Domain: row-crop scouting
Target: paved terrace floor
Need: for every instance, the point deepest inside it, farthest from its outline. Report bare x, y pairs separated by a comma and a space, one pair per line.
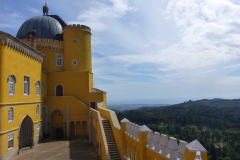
75, 149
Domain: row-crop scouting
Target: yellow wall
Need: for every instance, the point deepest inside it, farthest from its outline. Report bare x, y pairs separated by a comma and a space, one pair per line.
49, 48
19, 64
78, 110
75, 84
14, 62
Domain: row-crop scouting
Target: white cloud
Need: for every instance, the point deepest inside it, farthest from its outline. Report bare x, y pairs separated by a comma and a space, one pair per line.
100, 12
34, 10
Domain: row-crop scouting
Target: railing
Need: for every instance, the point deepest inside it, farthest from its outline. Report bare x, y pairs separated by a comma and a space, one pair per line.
97, 137
142, 144
136, 142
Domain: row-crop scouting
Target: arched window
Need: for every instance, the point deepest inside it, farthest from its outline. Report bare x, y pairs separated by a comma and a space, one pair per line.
10, 114
37, 110
26, 85
59, 90
11, 85
38, 88
58, 60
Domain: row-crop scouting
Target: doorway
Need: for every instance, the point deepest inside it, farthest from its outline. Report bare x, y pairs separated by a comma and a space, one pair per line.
26, 132
59, 134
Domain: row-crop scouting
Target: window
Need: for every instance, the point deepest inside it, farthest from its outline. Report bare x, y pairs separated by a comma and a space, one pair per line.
11, 84
59, 60
37, 129
10, 140
59, 114
10, 114
42, 89
74, 40
38, 88
37, 110
59, 90
26, 85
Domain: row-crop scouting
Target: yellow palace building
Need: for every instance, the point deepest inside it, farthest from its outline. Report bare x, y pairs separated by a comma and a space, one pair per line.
46, 90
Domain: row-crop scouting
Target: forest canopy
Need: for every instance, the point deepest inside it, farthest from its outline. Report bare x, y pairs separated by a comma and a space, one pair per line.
215, 123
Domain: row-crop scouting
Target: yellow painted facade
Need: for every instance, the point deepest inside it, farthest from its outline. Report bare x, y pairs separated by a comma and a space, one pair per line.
65, 86
47, 91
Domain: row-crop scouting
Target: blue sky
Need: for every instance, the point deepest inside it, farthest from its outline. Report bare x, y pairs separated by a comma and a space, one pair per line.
158, 51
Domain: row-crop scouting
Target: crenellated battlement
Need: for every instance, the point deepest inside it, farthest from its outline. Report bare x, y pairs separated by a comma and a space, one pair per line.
48, 41
46, 44
77, 27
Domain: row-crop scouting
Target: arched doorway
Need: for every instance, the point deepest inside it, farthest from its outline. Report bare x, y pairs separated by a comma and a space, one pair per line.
59, 134
57, 124
26, 132
59, 90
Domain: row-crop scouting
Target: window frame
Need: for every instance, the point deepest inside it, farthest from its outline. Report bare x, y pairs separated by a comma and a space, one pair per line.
57, 91
10, 141
37, 110
10, 115
59, 60
38, 84
26, 88
11, 85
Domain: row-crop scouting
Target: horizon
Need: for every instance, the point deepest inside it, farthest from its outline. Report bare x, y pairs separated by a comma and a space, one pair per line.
151, 52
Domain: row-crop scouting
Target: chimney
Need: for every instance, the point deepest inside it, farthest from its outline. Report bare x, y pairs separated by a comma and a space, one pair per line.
32, 35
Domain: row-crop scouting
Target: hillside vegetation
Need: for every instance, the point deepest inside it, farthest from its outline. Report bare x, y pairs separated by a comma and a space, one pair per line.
215, 123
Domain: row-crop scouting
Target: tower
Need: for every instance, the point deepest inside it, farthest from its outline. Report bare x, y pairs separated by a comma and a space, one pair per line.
77, 48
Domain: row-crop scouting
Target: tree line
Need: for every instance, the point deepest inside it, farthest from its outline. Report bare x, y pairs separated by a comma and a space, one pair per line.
216, 128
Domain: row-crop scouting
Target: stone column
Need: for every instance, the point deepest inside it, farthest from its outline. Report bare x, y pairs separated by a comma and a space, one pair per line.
81, 130
45, 119
50, 129
89, 124
67, 119
75, 129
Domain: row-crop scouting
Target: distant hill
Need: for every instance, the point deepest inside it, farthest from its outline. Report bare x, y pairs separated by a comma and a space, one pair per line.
216, 102
123, 107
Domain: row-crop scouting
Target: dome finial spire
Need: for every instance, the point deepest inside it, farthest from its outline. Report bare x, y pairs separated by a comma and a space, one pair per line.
45, 9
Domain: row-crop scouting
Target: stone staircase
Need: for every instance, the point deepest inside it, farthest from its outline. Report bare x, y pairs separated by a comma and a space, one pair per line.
112, 146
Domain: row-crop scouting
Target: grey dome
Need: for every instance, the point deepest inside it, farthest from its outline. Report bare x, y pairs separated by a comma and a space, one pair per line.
46, 27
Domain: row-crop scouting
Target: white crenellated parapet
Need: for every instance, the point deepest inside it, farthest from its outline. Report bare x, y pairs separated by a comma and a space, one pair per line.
136, 128
134, 132
173, 148
150, 139
198, 156
181, 149
164, 145
156, 141
132, 129
127, 127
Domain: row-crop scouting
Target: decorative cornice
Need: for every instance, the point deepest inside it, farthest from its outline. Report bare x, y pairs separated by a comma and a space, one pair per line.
19, 103
14, 43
